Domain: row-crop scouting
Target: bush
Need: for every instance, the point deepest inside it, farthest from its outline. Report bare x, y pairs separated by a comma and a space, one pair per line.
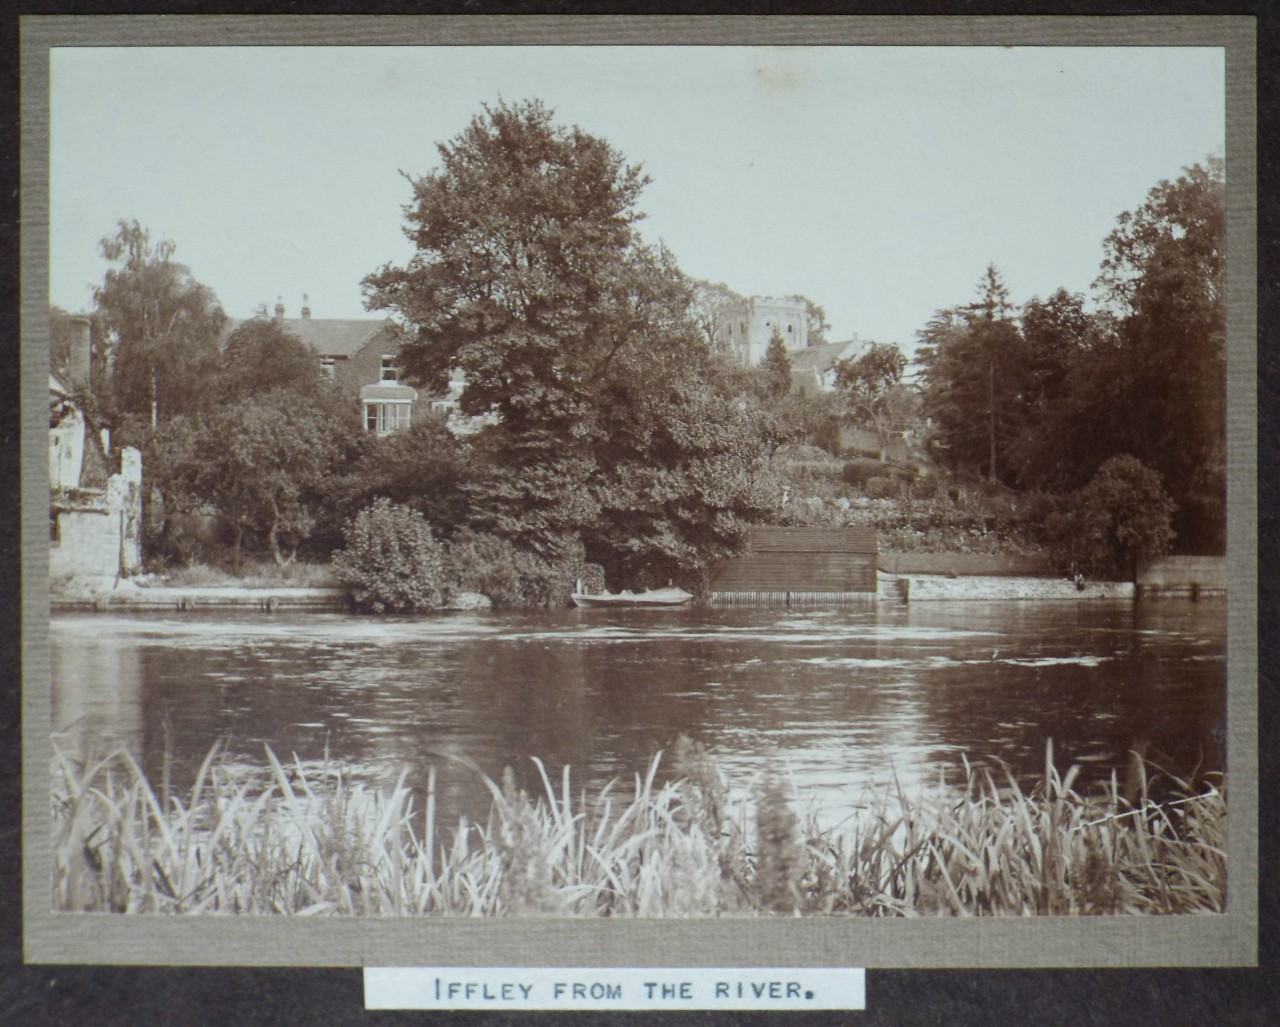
509, 576
860, 470
391, 562
1121, 520
881, 488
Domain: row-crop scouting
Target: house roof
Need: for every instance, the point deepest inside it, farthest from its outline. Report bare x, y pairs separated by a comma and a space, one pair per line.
331, 337
822, 358
388, 391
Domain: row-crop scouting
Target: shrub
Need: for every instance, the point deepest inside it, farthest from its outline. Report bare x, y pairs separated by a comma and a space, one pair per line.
881, 488
860, 470
508, 575
391, 562
1121, 520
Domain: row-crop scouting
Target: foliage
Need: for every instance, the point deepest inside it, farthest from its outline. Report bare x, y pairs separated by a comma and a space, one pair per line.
1163, 273
260, 356
261, 463
872, 384
510, 576
392, 561
716, 309
159, 325
1047, 401
530, 278
974, 364
424, 467
1119, 521
777, 366
308, 840
881, 488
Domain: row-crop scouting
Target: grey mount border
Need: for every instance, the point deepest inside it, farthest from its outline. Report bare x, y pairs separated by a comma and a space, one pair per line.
1226, 940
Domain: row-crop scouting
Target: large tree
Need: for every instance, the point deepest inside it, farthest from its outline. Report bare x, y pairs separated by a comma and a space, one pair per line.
530, 277
262, 463
974, 362
1163, 276
261, 355
160, 327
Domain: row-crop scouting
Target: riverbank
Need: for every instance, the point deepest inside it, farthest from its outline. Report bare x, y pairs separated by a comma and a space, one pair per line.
111, 594
306, 842
920, 588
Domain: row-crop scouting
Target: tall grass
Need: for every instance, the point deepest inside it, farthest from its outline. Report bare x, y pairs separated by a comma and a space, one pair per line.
307, 842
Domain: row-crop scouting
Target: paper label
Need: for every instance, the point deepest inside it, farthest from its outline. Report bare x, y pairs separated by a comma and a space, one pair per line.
614, 988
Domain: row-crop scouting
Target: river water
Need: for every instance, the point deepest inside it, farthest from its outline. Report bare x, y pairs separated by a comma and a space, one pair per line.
836, 701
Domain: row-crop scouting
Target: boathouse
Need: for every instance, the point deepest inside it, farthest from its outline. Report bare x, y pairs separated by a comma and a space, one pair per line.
799, 567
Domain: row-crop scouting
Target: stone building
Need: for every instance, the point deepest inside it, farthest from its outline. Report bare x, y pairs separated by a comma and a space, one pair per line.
743, 329
95, 503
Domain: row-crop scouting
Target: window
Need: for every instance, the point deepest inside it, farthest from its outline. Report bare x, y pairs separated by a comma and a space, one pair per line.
390, 373
386, 417
326, 369
55, 531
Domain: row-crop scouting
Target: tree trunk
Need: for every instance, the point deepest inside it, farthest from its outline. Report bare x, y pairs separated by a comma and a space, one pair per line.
154, 404
991, 419
235, 547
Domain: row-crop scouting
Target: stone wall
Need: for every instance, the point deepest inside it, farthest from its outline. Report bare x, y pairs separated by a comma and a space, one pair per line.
1171, 572
931, 588
98, 534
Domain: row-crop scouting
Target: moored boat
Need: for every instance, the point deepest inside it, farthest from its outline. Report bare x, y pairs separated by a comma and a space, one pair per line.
650, 597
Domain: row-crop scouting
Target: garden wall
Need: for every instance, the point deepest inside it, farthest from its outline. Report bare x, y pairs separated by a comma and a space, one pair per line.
988, 564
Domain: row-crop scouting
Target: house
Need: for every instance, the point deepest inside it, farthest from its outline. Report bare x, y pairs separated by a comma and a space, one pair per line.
95, 511
361, 356
799, 567
813, 369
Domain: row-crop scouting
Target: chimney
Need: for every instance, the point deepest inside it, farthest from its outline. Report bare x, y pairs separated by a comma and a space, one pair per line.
306, 307
279, 308
78, 358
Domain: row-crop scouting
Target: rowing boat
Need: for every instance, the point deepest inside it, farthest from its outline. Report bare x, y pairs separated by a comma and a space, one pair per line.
651, 597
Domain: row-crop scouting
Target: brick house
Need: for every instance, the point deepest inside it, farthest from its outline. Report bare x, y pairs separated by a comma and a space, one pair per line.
361, 357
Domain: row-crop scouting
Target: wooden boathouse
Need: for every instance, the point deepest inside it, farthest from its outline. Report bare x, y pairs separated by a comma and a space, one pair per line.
799, 567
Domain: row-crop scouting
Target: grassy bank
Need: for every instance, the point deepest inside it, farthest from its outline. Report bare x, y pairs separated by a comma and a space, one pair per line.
315, 842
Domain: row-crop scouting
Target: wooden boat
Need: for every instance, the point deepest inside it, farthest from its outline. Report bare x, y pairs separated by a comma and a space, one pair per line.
650, 597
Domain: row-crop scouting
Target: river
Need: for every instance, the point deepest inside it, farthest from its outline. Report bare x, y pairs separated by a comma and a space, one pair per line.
836, 701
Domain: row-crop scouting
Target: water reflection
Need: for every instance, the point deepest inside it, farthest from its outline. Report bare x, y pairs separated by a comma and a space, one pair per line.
838, 700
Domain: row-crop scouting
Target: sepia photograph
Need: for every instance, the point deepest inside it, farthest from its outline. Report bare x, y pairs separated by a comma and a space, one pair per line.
768, 483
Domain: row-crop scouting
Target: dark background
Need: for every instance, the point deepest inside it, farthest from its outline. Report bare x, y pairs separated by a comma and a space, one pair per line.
90, 995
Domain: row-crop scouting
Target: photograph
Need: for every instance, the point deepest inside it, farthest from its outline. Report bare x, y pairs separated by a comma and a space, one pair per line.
774, 486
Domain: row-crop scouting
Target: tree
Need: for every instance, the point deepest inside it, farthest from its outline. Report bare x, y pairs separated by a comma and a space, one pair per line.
872, 384
261, 463
530, 277
260, 356
1163, 276
160, 327
1118, 522
974, 368
1063, 409
716, 309
777, 366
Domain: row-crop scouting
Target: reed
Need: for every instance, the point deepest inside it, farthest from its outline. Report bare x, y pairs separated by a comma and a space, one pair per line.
300, 841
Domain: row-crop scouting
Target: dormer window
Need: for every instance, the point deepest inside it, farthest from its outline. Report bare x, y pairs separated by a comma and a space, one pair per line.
390, 373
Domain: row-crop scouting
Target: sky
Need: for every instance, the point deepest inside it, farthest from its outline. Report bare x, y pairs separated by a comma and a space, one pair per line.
877, 181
